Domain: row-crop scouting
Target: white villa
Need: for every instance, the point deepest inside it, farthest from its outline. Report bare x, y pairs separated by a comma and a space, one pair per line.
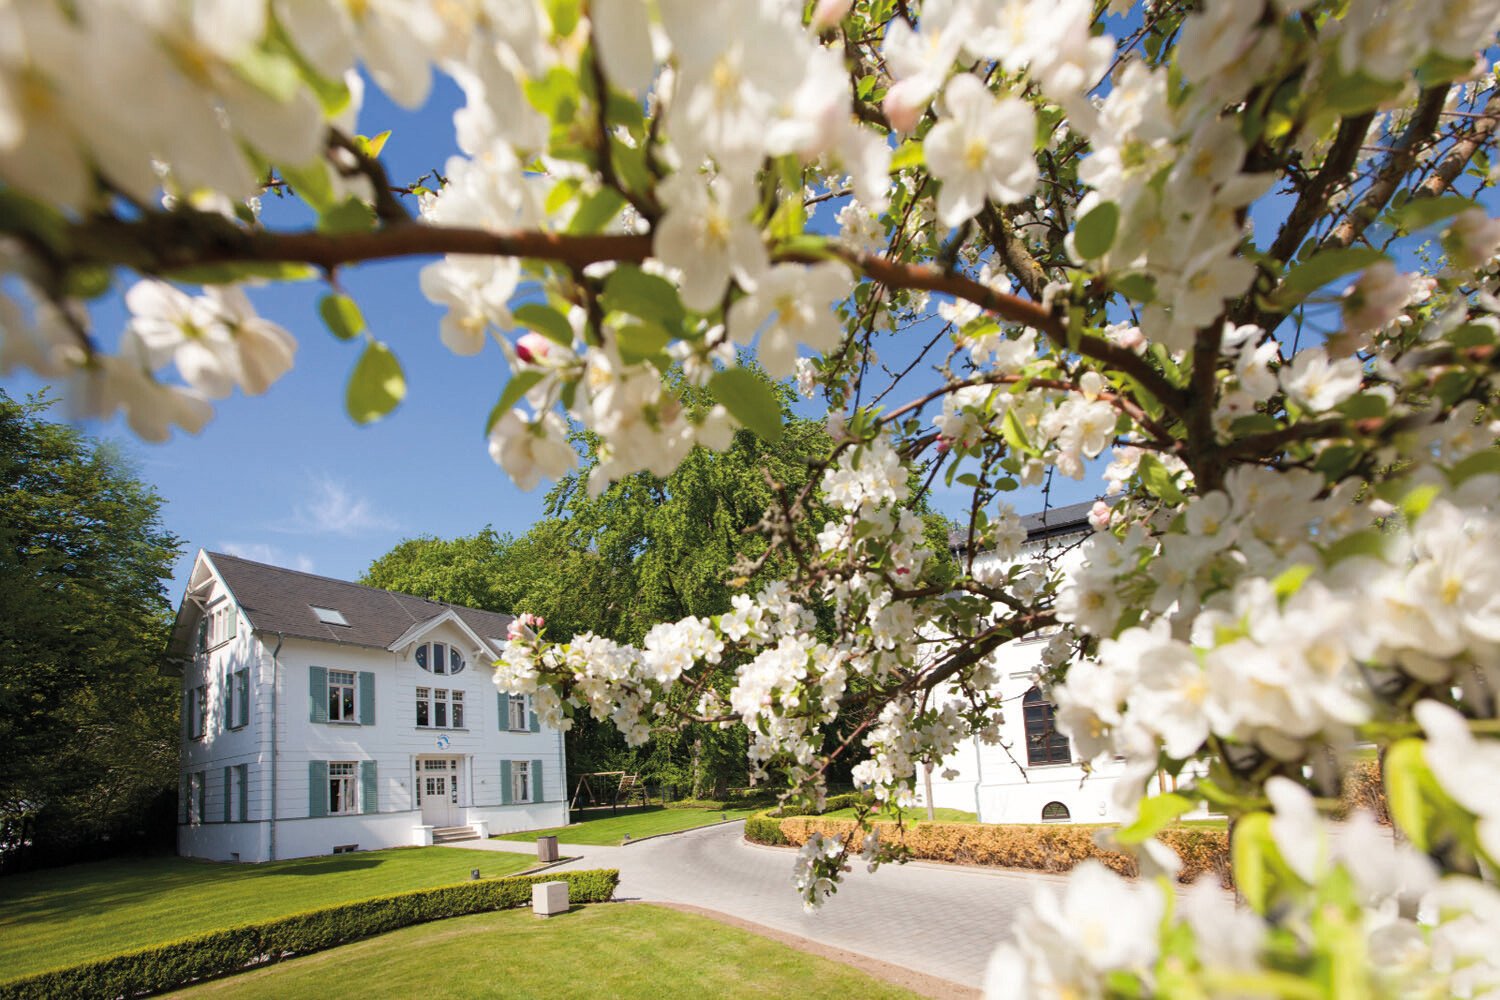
1032, 777
321, 716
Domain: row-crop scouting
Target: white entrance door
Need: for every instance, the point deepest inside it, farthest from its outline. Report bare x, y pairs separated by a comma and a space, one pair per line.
437, 789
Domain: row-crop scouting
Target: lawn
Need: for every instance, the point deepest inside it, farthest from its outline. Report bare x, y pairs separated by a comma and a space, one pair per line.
638, 823
68, 915
917, 814
605, 950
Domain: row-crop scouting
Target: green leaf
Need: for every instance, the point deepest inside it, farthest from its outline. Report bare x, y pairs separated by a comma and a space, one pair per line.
1153, 816
750, 400
1158, 481
1321, 268
562, 192
564, 15
1014, 433
20, 214
332, 93
640, 341
273, 73
1250, 854
349, 216
628, 289
908, 154
790, 218
596, 211
376, 386
547, 321
1419, 213
1095, 232
554, 95
1369, 543
1352, 95
342, 315
1406, 775
1137, 287
224, 274
1290, 580
372, 146
311, 183
88, 281
1415, 503
1480, 463
517, 387
1363, 406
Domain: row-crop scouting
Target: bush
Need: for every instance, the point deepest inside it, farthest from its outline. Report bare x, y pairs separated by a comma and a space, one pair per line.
1364, 789
765, 827
235, 949
1044, 847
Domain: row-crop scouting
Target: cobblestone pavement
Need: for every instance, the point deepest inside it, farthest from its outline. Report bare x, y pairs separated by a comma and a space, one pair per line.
940, 920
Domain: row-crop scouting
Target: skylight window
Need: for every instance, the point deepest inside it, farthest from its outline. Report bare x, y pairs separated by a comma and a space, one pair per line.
328, 616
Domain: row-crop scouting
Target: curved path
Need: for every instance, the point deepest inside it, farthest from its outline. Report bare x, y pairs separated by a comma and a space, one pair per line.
939, 920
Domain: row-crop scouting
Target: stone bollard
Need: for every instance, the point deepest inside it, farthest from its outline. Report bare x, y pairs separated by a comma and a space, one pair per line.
546, 849
549, 898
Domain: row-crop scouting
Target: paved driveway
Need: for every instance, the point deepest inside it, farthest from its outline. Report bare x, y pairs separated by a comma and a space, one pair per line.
939, 920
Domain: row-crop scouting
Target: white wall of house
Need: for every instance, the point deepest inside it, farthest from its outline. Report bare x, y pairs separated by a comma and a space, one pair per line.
392, 741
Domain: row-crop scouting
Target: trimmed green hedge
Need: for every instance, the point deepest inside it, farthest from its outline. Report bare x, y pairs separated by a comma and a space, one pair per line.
765, 827
235, 949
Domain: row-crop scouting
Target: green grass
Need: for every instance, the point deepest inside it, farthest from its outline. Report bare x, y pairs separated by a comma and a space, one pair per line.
612, 950
68, 915
915, 815
639, 822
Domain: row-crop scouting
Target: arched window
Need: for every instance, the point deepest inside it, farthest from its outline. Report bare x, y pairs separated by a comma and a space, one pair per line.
439, 658
1044, 744
1055, 812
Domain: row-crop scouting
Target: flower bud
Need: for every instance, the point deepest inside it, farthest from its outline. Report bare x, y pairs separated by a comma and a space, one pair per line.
532, 348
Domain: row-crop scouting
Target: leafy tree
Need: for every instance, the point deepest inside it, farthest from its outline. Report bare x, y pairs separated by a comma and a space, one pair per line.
88, 724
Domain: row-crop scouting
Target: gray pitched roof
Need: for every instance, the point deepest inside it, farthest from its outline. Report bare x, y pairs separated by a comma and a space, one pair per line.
282, 600
1044, 523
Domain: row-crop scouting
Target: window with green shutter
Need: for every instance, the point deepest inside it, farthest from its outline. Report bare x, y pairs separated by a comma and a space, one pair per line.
228, 789
505, 797
536, 782
366, 698
226, 721
369, 788
243, 772
317, 692
536, 725
242, 697
317, 788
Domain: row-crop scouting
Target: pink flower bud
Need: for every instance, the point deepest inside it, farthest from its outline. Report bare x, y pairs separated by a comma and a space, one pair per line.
943, 444
532, 348
828, 13
1099, 515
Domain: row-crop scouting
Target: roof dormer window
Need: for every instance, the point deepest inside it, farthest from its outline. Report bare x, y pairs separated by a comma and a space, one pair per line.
329, 616
439, 658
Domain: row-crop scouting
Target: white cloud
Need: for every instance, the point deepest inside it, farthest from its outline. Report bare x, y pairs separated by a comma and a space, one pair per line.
332, 509
271, 555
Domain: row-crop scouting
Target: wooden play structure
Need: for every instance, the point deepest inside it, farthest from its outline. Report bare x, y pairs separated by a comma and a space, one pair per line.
608, 790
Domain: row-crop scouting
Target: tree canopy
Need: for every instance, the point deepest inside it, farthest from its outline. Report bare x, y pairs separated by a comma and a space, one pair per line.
88, 725
1241, 250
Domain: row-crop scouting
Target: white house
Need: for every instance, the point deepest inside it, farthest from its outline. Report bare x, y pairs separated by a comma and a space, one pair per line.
1032, 776
321, 716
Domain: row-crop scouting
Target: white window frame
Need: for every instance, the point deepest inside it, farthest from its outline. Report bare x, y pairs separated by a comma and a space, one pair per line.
520, 781
452, 701
239, 698
524, 701
240, 778
336, 685
199, 707
343, 787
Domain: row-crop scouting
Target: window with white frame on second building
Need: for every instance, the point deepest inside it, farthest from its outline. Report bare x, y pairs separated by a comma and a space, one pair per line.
520, 781
516, 713
341, 696
198, 706
343, 787
440, 708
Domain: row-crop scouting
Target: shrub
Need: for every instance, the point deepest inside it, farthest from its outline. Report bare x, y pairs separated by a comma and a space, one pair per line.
765, 827
1364, 789
1044, 847
235, 949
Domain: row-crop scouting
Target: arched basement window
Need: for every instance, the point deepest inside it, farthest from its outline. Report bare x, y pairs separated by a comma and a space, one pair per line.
1044, 744
1055, 812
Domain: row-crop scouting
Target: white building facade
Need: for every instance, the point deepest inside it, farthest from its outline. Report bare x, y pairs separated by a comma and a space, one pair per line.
321, 716
1032, 776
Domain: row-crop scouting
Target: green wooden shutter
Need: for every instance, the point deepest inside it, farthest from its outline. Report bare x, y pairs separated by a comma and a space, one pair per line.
505, 799
228, 784
366, 698
242, 686
369, 790
500, 704
536, 725
317, 690
536, 782
244, 770
317, 788
203, 796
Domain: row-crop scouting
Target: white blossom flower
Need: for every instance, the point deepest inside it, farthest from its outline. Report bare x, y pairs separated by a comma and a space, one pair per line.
981, 148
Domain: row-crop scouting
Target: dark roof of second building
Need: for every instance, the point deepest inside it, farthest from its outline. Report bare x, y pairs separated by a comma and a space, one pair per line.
281, 600
1042, 524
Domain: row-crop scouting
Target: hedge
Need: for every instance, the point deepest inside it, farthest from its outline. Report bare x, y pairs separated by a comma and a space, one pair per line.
765, 827
236, 949
1050, 847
